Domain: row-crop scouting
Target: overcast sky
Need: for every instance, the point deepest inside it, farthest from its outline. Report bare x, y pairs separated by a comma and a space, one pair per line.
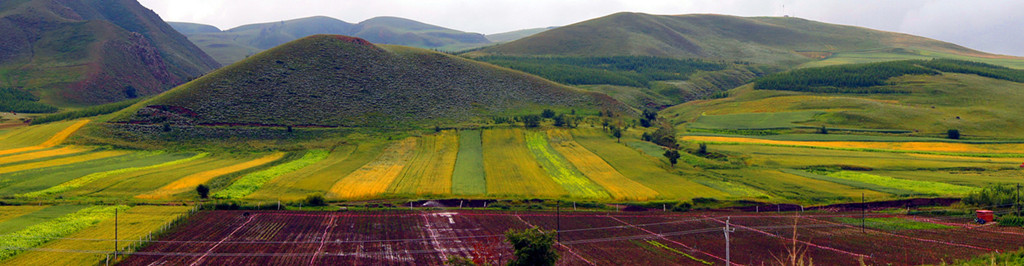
995, 26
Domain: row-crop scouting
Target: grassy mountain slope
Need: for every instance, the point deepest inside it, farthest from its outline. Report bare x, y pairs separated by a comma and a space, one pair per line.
333, 80
87, 52
774, 40
515, 35
235, 44
977, 100
192, 28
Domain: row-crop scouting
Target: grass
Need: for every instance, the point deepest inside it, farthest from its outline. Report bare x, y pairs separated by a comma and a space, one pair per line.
923, 187
511, 169
374, 178
803, 157
251, 182
853, 183
29, 156
191, 181
597, 169
319, 176
11, 212
135, 164
62, 161
38, 137
132, 224
892, 223
688, 256
794, 188
469, 177
431, 168
40, 215
641, 168
130, 184
560, 170
939, 148
755, 120
39, 233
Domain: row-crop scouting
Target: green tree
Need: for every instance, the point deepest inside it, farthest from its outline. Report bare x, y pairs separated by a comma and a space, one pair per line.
617, 133
702, 148
315, 199
547, 113
203, 191
532, 247
673, 156
531, 121
953, 134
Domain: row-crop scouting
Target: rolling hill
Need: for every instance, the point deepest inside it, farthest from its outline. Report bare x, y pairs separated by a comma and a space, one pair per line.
773, 40
71, 53
235, 44
334, 80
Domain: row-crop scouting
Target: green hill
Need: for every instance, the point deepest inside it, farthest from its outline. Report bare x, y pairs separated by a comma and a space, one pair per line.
515, 35
72, 53
235, 44
192, 28
333, 80
913, 98
772, 40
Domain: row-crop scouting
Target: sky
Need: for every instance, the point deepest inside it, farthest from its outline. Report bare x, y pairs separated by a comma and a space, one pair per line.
995, 26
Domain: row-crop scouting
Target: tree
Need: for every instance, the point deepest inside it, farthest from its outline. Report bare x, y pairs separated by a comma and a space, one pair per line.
953, 134
547, 113
665, 136
203, 190
532, 247
559, 120
617, 133
459, 261
531, 121
315, 199
823, 130
650, 115
645, 123
702, 148
673, 157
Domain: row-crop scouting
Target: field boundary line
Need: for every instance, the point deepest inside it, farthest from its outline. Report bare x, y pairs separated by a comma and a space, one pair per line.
666, 239
801, 241
323, 239
910, 237
208, 251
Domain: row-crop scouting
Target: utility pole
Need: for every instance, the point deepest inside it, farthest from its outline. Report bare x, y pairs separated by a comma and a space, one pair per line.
728, 229
115, 234
1017, 202
558, 220
863, 212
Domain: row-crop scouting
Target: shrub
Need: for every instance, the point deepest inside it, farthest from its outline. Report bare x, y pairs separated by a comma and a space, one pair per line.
203, 191
532, 247
1010, 220
315, 199
953, 134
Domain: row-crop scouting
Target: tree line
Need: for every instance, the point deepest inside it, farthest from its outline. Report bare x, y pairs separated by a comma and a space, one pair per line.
873, 77
634, 71
15, 100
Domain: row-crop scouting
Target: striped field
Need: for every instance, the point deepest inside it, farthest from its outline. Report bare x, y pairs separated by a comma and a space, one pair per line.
430, 171
511, 169
374, 178
191, 181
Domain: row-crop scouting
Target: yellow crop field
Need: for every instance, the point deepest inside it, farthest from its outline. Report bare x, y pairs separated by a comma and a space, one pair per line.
511, 169
41, 154
10, 212
898, 146
191, 181
431, 168
61, 161
374, 178
132, 224
598, 170
30, 135
129, 184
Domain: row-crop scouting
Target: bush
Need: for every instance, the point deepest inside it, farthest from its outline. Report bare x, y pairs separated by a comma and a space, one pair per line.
992, 196
203, 191
953, 134
315, 199
1010, 220
547, 113
531, 121
532, 247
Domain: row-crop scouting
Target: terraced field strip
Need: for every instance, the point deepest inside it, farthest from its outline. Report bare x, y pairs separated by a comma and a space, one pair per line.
511, 169
132, 224
251, 182
924, 187
62, 161
563, 172
469, 177
593, 166
32, 134
317, 178
374, 178
155, 161
40, 215
11, 212
39, 233
852, 183
938, 147
798, 187
431, 168
35, 155
641, 168
134, 183
191, 181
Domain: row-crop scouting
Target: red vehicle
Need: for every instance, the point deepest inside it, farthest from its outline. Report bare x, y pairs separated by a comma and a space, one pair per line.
985, 216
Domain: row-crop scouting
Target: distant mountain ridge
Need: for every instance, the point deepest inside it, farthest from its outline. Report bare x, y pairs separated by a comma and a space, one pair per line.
235, 44
334, 80
774, 40
93, 51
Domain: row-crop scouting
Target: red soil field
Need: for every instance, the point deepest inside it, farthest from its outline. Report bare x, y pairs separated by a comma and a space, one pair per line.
430, 237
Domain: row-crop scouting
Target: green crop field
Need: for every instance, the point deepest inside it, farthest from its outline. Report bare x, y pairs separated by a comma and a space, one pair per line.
469, 177
319, 177
40, 232
511, 169
560, 170
431, 168
41, 215
892, 223
250, 183
45, 178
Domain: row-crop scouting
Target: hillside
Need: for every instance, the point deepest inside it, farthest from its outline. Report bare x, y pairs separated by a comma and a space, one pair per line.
915, 98
235, 44
333, 80
72, 53
515, 35
773, 40
192, 28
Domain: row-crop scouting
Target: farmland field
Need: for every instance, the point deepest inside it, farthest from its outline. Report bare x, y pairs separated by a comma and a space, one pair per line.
618, 185
511, 169
431, 168
191, 181
648, 238
319, 176
469, 177
560, 170
374, 177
